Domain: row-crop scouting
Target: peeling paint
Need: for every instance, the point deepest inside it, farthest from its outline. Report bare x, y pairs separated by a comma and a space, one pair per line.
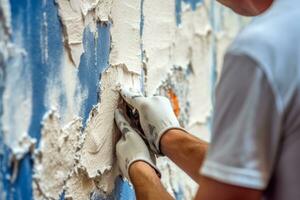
169, 47
97, 154
158, 36
55, 158
73, 25
125, 35
65, 152
18, 79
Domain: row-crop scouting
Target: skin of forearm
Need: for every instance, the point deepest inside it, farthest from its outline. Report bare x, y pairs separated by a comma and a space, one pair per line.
185, 150
146, 183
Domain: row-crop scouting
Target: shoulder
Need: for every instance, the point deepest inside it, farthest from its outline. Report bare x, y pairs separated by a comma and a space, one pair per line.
273, 42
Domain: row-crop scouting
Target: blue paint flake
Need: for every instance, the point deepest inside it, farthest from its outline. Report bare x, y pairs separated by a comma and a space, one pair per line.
31, 16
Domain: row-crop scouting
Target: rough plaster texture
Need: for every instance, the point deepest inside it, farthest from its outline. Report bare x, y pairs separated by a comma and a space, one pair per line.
158, 36
149, 50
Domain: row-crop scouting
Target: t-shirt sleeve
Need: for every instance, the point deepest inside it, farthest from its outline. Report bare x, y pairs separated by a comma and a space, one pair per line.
246, 126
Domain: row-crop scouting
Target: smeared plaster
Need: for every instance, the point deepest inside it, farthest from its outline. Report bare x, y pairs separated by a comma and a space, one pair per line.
200, 95
71, 158
97, 154
79, 186
158, 36
81, 162
77, 15
125, 35
101, 9
93, 162
193, 24
55, 158
73, 26
191, 50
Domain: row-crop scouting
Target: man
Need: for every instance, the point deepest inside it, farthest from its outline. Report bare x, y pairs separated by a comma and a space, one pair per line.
254, 151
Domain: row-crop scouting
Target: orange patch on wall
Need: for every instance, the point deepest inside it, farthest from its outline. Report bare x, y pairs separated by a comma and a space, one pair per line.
174, 102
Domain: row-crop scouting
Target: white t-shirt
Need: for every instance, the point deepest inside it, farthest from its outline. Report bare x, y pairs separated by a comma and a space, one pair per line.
256, 126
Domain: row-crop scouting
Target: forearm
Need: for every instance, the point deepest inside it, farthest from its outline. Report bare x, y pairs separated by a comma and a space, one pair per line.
146, 183
186, 150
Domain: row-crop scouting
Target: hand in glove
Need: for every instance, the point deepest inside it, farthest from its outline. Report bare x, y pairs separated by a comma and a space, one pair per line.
155, 114
131, 147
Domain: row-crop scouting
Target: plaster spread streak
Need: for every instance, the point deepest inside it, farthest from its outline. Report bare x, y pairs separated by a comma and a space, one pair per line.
77, 158
73, 25
55, 159
97, 154
125, 35
158, 36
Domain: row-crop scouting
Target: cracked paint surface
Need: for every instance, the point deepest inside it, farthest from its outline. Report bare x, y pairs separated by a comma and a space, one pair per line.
61, 62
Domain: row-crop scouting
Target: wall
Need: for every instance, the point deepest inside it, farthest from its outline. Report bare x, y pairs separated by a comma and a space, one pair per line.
61, 63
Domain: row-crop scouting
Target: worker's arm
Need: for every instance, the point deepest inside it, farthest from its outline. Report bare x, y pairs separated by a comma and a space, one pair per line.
165, 137
147, 184
133, 156
211, 189
190, 156
185, 150
164, 134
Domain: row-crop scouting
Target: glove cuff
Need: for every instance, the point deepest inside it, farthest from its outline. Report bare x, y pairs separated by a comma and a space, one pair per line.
149, 162
157, 149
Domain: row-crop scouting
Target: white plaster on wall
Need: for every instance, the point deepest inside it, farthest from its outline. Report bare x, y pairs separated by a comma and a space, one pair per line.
157, 39
4, 55
73, 26
125, 35
191, 48
17, 99
95, 168
74, 159
55, 159
82, 161
98, 149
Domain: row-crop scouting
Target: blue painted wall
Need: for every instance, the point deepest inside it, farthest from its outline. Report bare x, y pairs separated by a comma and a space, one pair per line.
38, 24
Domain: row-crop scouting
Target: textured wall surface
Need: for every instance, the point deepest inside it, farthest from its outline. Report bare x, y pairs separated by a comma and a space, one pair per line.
61, 62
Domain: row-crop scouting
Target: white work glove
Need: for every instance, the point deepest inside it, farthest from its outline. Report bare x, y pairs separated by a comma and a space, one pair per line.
156, 116
131, 147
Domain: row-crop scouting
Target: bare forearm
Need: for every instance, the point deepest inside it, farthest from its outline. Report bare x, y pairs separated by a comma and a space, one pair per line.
146, 183
186, 150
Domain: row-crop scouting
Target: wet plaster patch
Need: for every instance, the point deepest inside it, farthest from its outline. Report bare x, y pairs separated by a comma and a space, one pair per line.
82, 162
76, 16
55, 158
158, 36
73, 26
125, 35
97, 154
